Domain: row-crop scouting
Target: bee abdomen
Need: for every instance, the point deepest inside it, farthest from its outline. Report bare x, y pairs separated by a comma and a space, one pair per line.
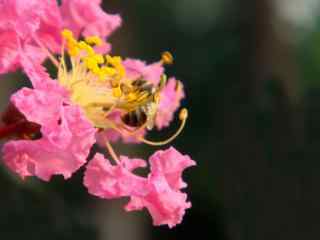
135, 118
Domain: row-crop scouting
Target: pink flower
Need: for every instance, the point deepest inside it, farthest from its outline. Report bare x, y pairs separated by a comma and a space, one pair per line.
170, 98
136, 69
53, 125
66, 135
88, 18
159, 192
22, 24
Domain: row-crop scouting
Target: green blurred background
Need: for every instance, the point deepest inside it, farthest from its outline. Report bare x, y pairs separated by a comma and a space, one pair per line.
251, 73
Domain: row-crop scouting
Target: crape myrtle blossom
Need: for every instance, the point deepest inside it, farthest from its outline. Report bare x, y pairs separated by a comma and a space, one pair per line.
93, 98
66, 135
159, 192
37, 24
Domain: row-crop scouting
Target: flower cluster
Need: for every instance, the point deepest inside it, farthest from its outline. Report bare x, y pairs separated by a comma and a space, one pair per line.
95, 98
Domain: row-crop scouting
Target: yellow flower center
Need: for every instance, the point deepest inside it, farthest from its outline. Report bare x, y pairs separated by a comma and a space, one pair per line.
98, 84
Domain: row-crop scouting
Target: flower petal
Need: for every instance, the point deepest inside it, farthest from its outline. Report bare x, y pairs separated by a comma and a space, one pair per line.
136, 69
88, 18
107, 181
170, 98
62, 149
159, 192
23, 22
165, 205
170, 163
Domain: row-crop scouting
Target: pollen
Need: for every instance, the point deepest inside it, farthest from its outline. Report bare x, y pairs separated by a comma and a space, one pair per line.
167, 58
94, 40
117, 92
103, 67
183, 115
98, 84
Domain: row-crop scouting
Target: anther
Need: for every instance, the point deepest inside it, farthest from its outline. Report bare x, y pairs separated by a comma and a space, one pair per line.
67, 34
183, 115
116, 92
94, 40
167, 58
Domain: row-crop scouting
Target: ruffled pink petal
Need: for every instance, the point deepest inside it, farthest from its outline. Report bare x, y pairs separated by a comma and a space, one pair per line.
20, 16
114, 136
62, 149
41, 105
9, 59
159, 192
169, 103
170, 163
104, 48
21, 22
136, 69
88, 18
166, 205
66, 135
39, 77
113, 181
165, 202
107, 135
49, 32
38, 106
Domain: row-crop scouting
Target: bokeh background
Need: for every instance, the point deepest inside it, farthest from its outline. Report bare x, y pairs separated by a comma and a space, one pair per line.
251, 73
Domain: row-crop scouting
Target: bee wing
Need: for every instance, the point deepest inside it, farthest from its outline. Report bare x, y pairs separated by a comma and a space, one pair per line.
151, 110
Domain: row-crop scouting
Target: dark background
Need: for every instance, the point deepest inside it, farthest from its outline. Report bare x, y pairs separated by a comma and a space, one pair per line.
251, 73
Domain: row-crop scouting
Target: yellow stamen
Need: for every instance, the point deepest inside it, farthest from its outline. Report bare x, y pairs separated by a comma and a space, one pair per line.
98, 84
183, 115
117, 92
112, 153
67, 34
99, 58
167, 58
109, 71
94, 40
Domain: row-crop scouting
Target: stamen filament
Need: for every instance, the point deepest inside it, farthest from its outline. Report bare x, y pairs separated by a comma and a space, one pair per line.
183, 115
46, 50
112, 153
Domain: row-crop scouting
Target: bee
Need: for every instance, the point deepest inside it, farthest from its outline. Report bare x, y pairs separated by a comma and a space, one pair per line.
146, 100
